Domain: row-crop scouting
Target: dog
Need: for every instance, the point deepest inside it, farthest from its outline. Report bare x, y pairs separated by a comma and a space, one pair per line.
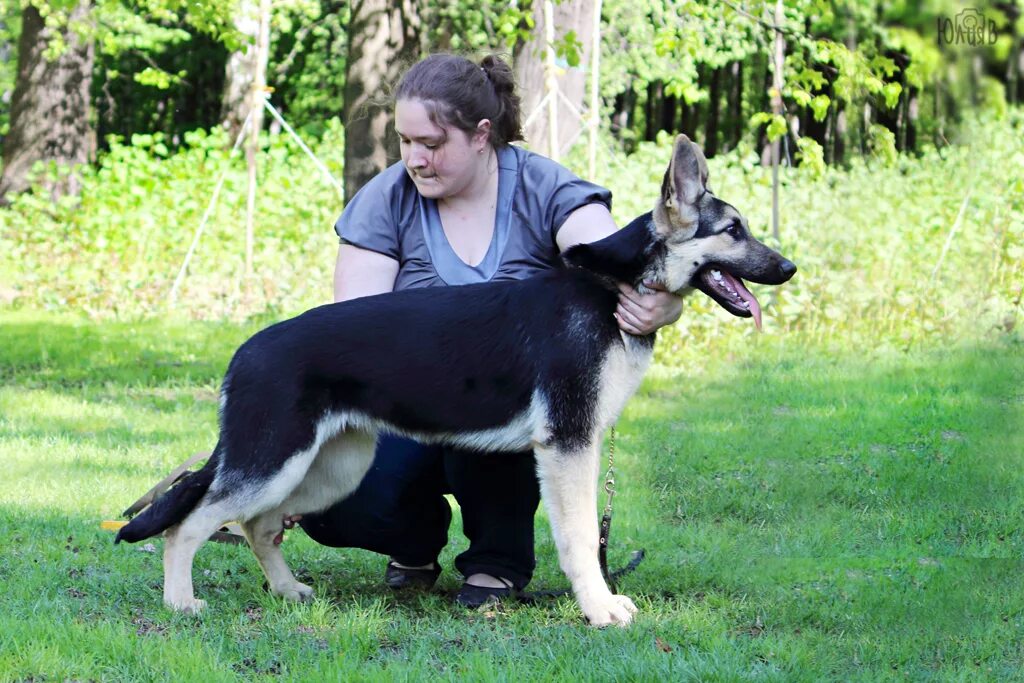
505, 366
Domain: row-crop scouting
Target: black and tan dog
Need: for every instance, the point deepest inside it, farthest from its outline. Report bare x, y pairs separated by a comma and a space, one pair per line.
536, 363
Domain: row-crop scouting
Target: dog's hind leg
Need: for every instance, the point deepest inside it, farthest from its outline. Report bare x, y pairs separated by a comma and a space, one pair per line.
568, 481
263, 533
180, 546
337, 470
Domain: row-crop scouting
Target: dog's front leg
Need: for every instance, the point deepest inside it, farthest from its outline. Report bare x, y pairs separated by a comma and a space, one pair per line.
568, 481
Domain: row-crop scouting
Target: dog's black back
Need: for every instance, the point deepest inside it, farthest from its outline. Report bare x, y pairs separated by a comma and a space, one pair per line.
392, 356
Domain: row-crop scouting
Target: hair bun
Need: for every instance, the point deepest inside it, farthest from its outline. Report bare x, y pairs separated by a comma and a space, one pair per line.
461, 93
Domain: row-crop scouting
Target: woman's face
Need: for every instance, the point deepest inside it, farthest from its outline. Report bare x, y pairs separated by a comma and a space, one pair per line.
442, 161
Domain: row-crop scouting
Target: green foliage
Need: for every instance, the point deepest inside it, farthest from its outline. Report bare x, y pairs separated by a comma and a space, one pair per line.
664, 40
882, 144
811, 157
160, 64
10, 29
867, 240
308, 59
568, 47
117, 252
515, 24
776, 127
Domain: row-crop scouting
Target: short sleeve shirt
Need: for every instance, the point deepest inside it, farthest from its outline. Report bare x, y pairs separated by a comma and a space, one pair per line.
535, 196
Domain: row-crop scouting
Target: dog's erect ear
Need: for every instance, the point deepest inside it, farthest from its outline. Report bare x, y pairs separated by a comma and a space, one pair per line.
686, 180
687, 176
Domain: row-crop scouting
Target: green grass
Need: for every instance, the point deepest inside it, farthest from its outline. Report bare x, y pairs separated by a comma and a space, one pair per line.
808, 513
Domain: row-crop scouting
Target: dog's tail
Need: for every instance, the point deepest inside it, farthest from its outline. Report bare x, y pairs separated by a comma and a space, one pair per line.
173, 506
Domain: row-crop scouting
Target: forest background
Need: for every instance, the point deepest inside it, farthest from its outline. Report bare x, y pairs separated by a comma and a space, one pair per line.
144, 101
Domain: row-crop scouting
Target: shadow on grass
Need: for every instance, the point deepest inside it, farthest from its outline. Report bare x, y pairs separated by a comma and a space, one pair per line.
58, 353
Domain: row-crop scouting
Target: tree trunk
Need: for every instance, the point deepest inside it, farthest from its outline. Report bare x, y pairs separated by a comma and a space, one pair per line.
1013, 63
650, 118
688, 120
912, 109
670, 114
240, 70
714, 100
383, 40
50, 105
842, 131
569, 15
622, 119
736, 109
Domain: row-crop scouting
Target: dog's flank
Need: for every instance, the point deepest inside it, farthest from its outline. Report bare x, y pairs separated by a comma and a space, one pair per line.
536, 363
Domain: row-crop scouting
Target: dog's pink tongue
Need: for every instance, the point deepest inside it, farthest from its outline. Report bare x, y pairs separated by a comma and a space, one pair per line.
755, 308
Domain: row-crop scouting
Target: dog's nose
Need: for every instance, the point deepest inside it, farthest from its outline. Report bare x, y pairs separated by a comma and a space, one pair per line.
786, 269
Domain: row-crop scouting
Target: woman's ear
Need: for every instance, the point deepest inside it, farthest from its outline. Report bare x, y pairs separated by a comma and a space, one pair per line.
483, 133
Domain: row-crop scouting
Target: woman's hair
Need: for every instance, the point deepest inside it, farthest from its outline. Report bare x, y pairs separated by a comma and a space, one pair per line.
456, 92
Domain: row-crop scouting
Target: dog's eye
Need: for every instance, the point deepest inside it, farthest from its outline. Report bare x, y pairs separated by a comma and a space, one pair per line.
735, 230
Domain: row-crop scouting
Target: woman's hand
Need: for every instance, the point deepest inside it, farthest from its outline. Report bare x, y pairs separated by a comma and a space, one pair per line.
642, 314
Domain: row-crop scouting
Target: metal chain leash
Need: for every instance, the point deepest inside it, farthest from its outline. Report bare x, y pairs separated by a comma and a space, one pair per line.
606, 527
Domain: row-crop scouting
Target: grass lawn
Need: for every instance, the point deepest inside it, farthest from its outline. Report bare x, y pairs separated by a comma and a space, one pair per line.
809, 513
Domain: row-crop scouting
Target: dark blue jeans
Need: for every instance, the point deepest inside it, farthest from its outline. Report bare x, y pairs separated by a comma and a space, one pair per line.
399, 509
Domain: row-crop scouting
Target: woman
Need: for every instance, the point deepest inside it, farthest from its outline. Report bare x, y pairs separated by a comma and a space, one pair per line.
462, 206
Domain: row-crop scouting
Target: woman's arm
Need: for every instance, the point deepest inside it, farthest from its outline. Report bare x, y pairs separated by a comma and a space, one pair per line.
361, 272
637, 313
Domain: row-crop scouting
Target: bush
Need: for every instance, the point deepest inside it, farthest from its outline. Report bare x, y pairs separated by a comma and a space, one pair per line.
870, 241
117, 251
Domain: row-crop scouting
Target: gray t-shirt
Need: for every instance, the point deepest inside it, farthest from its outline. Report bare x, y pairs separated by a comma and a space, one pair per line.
535, 196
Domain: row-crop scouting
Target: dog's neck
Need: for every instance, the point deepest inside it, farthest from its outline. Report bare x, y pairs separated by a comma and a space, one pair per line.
629, 255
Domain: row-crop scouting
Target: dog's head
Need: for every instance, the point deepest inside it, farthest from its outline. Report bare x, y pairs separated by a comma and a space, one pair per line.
707, 242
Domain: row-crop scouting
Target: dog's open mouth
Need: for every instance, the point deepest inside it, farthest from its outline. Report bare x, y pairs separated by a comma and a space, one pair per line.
730, 292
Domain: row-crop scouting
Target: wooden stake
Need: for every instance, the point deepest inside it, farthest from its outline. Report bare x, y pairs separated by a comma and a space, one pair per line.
780, 52
551, 80
259, 84
595, 94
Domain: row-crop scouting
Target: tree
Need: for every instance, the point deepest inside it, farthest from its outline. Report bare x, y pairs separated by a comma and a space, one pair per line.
242, 67
51, 111
383, 40
50, 105
572, 29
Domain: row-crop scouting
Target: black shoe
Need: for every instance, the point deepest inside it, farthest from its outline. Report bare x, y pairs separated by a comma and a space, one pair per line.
474, 596
401, 578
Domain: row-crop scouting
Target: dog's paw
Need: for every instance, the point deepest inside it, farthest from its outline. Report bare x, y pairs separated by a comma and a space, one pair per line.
615, 610
294, 591
187, 605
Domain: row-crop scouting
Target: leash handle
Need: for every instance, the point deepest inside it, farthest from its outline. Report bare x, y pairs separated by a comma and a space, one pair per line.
606, 519
602, 551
